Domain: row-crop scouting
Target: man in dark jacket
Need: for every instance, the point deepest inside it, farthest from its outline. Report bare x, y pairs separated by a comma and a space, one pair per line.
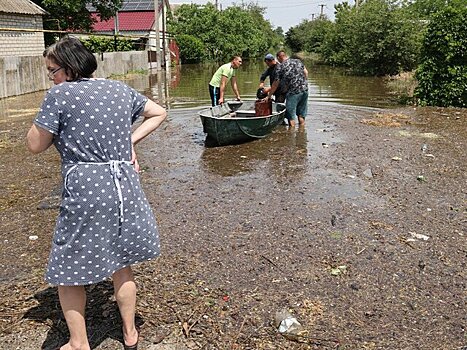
279, 94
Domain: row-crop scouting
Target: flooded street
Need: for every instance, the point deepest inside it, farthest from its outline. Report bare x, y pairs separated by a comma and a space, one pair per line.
356, 224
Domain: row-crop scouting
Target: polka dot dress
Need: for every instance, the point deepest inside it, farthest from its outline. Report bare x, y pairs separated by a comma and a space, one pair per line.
105, 221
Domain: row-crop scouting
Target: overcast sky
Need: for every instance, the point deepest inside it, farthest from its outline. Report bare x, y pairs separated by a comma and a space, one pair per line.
283, 13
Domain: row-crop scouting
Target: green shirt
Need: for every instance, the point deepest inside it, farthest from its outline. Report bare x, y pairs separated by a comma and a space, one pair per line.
226, 70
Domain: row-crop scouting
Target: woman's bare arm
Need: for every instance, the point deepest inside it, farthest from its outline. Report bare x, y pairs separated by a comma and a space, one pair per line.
38, 139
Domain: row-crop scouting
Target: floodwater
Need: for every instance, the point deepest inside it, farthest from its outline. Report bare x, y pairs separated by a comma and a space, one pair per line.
185, 87
183, 91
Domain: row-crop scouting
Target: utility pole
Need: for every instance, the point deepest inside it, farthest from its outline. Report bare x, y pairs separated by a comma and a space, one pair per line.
217, 5
116, 25
322, 7
158, 39
164, 53
116, 29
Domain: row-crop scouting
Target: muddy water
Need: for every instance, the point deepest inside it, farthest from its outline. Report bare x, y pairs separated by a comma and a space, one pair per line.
286, 155
187, 86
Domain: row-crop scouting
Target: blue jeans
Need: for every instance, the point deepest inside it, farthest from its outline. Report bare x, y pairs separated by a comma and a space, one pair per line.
296, 105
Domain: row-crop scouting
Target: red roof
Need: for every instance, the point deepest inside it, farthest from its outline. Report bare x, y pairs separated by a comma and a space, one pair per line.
127, 21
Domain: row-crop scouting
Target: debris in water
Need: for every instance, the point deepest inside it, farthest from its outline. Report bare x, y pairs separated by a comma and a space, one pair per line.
419, 236
287, 325
336, 271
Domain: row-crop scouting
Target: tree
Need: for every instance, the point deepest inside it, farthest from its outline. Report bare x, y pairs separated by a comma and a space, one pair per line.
238, 30
308, 35
424, 9
192, 49
295, 37
442, 74
377, 38
73, 14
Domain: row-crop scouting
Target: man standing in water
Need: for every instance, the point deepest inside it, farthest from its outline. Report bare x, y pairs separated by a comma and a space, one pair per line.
220, 79
293, 74
270, 72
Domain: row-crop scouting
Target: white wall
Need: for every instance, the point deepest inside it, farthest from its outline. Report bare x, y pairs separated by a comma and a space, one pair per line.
15, 43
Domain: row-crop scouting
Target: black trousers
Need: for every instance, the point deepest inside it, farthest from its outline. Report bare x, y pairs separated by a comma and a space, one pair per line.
214, 92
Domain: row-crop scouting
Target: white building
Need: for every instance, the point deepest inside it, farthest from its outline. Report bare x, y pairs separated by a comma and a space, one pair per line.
20, 21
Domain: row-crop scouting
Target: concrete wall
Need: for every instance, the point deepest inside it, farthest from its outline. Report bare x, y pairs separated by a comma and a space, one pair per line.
13, 43
22, 75
109, 63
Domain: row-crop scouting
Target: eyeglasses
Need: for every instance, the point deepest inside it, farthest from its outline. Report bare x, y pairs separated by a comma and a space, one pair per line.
51, 73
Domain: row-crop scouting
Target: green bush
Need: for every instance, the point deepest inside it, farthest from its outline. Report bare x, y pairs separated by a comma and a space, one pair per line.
442, 73
106, 44
376, 38
192, 49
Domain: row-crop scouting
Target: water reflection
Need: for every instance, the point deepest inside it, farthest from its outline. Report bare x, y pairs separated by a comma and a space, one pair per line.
283, 155
187, 86
332, 85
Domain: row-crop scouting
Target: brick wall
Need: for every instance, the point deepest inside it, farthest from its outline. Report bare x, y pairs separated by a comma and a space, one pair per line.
14, 43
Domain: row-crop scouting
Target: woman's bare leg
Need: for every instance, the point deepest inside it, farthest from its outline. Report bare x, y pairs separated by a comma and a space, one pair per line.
73, 302
125, 293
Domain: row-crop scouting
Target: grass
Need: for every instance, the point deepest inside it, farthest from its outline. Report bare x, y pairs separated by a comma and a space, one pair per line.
128, 74
402, 87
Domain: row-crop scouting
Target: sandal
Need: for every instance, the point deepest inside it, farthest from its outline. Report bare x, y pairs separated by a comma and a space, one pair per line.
131, 347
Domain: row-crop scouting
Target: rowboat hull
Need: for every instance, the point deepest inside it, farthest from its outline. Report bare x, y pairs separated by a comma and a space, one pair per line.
240, 124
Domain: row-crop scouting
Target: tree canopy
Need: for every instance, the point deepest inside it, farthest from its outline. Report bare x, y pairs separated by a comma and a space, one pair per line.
73, 14
376, 38
203, 32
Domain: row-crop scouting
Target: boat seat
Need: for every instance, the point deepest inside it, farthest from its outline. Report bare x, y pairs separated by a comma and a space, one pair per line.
245, 113
221, 111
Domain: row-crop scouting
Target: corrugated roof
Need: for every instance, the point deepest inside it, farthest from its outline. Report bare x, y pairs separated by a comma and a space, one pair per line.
21, 6
127, 21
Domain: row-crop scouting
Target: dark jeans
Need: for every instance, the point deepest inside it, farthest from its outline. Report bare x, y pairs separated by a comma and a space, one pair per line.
214, 92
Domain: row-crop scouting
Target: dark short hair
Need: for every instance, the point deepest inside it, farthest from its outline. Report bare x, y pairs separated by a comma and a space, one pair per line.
280, 52
70, 54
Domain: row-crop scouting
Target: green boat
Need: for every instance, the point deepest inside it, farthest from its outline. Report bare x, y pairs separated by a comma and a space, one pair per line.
236, 122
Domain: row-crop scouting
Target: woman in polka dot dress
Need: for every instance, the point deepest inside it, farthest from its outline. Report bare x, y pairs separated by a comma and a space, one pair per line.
105, 223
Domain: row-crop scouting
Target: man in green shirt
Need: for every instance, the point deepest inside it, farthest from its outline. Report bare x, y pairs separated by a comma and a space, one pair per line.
220, 79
